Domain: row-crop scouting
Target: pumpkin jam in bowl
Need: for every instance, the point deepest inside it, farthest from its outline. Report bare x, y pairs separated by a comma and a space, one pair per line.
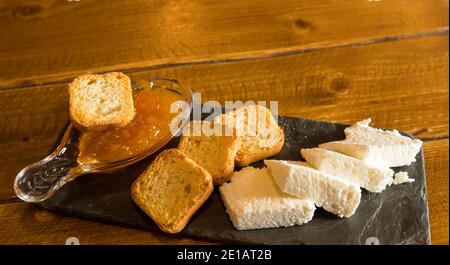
150, 125
145, 134
162, 108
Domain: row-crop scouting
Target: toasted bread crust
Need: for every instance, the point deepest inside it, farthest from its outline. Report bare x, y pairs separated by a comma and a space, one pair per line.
79, 115
251, 149
246, 157
223, 169
230, 163
139, 186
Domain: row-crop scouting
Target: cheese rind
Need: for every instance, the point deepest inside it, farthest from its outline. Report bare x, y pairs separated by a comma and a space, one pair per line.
253, 201
371, 178
377, 147
301, 180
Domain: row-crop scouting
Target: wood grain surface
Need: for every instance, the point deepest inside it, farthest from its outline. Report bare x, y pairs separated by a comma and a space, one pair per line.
52, 40
29, 224
337, 61
436, 166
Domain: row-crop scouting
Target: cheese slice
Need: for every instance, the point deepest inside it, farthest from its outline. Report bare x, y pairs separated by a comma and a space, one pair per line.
301, 180
253, 201
376, 146
371, 178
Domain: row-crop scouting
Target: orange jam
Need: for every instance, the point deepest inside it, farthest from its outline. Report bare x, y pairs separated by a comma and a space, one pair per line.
149, 125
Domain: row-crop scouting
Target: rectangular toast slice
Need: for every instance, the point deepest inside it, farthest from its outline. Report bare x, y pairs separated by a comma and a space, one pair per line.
261, 135
171, 190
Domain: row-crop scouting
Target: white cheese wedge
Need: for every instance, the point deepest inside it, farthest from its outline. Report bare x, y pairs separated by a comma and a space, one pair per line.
376, 146
301, 180
253, 201
371, 178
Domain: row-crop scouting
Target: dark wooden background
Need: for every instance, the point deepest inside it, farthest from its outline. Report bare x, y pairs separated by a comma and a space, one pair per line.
331, 60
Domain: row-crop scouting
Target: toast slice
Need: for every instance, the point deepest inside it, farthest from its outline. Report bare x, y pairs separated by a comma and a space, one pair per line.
261, 135
253, 201
329, 192
373, 179
99, 102
215, 153
171, 190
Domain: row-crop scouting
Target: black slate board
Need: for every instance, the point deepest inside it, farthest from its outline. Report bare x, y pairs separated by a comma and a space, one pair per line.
399, 215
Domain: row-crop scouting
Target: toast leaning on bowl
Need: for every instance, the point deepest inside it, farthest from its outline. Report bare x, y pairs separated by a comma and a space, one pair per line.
99, 102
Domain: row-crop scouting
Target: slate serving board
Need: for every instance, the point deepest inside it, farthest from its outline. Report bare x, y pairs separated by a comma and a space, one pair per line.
399, 215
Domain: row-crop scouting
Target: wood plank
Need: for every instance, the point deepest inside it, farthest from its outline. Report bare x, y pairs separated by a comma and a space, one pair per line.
407, 91
30, 123
28, 224
436, 165
54, 40
24, 223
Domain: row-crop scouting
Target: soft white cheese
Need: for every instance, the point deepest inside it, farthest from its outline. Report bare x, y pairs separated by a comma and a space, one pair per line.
301, 180
253, 201
374, 179
377, 147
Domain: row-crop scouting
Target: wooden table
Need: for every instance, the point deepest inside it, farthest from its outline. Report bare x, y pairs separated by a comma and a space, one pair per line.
335, 60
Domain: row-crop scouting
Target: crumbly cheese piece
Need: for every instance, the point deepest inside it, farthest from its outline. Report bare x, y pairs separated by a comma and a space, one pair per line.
377, 147
301, 180
371, 178
253, 201
401, 177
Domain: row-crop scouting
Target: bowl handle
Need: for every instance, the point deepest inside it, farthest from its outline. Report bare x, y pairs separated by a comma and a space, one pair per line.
41, 180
